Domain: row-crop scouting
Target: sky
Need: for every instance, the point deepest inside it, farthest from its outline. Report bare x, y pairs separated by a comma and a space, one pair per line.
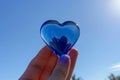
98, 45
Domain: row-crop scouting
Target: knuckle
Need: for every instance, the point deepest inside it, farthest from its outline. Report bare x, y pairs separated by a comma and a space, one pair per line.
49, 69
36, 65
60, 72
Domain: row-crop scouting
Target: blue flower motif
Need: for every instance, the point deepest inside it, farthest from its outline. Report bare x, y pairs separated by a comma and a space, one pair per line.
60, 46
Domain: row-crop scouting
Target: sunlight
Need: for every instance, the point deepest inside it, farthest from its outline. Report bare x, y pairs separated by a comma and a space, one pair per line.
114, 7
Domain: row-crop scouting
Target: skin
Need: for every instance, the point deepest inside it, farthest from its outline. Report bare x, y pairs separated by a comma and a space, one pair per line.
47, 66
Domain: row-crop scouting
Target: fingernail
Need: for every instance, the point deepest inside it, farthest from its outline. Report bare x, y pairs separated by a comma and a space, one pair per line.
64, 59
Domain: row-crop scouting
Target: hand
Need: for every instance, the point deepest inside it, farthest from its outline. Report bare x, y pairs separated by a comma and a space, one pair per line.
47, 66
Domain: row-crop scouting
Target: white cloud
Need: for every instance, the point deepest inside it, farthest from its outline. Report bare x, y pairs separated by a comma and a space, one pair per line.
115, 67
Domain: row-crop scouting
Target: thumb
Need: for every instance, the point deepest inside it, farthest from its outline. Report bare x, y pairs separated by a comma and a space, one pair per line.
62, 68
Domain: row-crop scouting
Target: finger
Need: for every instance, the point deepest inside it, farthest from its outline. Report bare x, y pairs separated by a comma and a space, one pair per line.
49, 67
37, 65
61, 70
73, 55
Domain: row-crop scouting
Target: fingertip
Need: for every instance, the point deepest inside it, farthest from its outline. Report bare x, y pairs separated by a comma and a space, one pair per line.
45, 48
62, 68
64, 59
45, 51
73, 52
73, 55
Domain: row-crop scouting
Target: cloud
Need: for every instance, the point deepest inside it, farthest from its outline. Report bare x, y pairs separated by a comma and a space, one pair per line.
115, 67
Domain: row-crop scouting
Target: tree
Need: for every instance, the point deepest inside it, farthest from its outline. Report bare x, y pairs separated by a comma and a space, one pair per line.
74, 78
113, 77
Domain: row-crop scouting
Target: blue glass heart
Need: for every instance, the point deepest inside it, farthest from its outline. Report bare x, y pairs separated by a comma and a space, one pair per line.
60, 38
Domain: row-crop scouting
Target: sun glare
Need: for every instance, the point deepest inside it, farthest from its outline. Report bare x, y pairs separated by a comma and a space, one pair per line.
114, 7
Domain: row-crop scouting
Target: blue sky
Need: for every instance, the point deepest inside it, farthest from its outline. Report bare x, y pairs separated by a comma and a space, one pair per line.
98, 45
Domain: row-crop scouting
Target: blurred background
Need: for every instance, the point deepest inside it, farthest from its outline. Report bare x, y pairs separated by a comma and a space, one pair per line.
98, 45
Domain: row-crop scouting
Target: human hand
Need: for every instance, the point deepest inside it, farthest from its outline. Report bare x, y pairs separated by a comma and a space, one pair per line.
47, 66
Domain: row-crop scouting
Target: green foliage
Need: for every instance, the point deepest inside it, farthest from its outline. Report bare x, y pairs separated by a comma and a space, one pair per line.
113, 77
74, 78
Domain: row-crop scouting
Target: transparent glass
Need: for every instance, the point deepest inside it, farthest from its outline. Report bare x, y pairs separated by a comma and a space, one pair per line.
60, 38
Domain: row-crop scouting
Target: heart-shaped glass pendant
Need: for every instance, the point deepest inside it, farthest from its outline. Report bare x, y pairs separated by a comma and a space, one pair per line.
60, 38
